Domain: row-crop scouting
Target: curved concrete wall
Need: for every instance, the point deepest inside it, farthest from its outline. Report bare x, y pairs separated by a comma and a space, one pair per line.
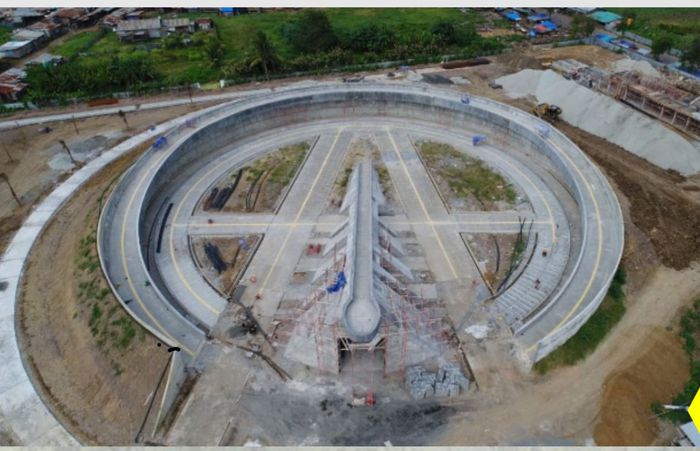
251, 116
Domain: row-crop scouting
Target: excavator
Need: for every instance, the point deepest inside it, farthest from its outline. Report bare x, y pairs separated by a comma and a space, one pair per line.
549, 113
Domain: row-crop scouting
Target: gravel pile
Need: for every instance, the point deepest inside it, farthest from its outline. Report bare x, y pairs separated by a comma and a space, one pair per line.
607, 118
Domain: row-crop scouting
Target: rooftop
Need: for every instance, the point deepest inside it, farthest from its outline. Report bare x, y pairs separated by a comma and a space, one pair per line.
12, 45
605, 17
135, 25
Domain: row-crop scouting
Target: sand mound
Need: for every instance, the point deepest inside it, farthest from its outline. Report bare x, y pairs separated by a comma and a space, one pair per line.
642, 67
605, 117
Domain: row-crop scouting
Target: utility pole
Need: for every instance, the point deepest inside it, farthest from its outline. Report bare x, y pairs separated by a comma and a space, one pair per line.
6, 179
9, 156
70, 155
122, 115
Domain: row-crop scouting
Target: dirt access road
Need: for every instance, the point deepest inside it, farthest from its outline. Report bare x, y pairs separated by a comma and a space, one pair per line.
90, 361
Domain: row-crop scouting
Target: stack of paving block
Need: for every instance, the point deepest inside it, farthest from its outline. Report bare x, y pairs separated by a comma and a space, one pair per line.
447, 382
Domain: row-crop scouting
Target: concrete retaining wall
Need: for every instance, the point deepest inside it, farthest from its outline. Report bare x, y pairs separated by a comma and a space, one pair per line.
251, 116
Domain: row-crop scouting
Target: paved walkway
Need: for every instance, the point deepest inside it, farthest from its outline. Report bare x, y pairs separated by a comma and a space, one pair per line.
221, 97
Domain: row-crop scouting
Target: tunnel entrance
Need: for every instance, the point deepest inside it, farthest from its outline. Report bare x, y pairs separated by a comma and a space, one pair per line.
361, 357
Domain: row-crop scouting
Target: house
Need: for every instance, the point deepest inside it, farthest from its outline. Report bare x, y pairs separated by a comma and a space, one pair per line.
512, 16
204, 24
136, 14
50, 29
181, 25
582, 10
37, 38
605, 17
68, 16
46, 59
25, 16
134, 30
228, 11
112, 19
11, 85
16, 49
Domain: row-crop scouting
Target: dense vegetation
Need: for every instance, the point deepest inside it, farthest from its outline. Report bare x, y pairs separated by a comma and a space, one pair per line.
593, 331
83, 77
679, 25
690, 334
273, 44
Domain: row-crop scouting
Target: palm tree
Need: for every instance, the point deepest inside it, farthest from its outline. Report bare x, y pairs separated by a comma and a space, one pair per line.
6, 179
265, 55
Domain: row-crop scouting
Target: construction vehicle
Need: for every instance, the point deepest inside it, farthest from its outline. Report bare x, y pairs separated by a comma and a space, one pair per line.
549, 113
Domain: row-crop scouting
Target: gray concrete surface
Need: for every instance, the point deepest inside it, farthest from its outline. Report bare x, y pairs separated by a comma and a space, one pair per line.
538, 315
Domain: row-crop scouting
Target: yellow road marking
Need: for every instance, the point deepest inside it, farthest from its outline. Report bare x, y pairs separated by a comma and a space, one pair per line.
598, 255
301, 210
422, 205
126, 267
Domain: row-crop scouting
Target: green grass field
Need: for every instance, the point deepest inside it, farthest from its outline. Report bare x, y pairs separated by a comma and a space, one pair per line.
682, 24
236, 33
592, 333
5, 35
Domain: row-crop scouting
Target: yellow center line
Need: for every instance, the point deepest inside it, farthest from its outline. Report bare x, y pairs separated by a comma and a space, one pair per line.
126, 267
422, 205
301, 210
598, 255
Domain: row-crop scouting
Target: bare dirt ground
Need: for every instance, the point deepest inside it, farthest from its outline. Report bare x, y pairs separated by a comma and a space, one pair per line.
261, 186
232, 254
570, 403
37, 161
660, 204
98, 390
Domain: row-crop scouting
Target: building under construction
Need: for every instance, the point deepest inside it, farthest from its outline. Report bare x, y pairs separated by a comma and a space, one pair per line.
361, 298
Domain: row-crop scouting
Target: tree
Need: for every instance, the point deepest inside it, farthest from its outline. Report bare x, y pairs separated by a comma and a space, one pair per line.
581, 26
628, 18
661, 45
310, 32
214, 49
691, 57
172, 41
6, 179
264, 54
371, 38
445, 31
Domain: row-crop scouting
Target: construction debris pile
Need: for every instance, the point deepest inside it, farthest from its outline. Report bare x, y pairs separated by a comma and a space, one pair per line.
447, 382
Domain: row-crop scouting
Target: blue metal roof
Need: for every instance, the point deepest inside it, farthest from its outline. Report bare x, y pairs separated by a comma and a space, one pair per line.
512, 15
550, 25
538, 17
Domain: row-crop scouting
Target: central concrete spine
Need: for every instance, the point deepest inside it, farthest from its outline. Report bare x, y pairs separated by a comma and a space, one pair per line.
361, 312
